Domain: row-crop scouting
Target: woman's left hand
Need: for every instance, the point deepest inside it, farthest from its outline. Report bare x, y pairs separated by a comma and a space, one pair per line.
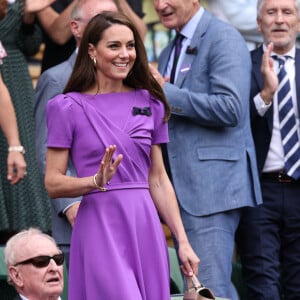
189, 260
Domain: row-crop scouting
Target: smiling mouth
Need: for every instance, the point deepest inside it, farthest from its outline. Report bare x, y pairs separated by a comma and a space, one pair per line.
167, 14
121, 65
279, 30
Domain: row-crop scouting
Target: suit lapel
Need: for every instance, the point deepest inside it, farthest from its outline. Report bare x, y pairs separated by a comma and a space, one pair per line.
256, 69
72, 59
297, 70
164, 58
256, 66
195, 44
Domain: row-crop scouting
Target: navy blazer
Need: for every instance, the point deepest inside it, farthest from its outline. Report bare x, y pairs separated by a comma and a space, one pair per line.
211, 150
262, 126
51, 83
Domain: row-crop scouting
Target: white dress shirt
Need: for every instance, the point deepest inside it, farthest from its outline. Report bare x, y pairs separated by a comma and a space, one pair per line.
275, 157
24, 298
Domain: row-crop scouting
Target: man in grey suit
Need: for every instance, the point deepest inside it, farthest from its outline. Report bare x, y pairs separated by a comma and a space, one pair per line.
211, 152
51, 83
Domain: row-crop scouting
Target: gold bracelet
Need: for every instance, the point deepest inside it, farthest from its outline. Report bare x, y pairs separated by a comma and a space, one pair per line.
100, 188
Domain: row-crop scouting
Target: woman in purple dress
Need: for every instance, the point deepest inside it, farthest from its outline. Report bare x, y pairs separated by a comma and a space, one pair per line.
111, 122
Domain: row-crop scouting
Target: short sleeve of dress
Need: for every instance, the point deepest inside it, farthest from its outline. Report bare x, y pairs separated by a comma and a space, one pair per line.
59, 122
160, 133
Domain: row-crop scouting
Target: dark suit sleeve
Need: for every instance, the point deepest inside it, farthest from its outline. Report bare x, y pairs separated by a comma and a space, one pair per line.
261, 126
46, 89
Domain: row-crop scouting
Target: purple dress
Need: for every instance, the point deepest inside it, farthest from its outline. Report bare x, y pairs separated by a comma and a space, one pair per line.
118, 248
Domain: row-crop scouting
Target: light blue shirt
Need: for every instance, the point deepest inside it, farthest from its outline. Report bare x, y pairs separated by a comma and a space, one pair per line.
188, 32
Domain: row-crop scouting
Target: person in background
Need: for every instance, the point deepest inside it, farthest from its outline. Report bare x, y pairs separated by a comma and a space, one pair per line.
27, 203
111, 121
51, 83
211, 154
3, 9
242, 15
132, 9
137, 6
58, 38
269, 235
34, 265
59, 43
16, 165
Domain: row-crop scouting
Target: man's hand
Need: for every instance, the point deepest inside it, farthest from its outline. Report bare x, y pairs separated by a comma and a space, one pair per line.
270, 79
71, 213
158, 77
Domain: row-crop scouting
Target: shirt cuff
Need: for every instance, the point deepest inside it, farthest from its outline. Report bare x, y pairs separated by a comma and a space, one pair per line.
66, 208
260, 105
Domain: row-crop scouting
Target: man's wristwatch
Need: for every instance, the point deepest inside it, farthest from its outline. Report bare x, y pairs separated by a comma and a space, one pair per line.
16, 149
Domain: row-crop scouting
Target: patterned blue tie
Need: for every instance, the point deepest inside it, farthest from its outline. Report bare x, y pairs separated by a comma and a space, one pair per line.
287, 122
177, 49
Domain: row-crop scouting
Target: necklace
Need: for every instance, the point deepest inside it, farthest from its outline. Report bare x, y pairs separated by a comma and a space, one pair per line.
98, 90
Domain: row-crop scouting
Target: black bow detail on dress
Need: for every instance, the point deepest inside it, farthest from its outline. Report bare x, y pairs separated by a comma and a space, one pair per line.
190, 50
146, 111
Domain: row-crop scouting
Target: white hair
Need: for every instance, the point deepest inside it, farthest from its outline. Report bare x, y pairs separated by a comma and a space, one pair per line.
260, 4
12, 245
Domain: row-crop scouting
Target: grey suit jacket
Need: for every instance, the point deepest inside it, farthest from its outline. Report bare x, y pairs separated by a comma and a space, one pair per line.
51, 83
211, 150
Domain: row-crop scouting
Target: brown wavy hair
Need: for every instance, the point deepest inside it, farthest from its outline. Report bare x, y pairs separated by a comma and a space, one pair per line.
84, 73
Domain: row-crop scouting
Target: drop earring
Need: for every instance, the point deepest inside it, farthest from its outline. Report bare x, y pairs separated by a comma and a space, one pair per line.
94, 61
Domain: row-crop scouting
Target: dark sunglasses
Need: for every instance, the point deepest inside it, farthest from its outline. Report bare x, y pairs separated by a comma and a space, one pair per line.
43, 260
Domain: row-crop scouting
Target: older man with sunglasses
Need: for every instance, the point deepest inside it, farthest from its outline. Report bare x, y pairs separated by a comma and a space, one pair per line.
34, 265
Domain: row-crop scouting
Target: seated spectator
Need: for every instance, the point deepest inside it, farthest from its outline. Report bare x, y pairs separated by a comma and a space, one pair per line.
34, 265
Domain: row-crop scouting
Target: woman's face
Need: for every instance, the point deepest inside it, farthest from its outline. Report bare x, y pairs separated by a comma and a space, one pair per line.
115, 53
